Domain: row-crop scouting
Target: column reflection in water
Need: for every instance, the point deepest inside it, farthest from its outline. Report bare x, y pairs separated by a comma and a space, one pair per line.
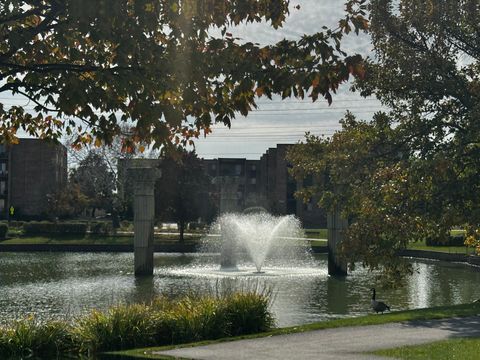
419, 286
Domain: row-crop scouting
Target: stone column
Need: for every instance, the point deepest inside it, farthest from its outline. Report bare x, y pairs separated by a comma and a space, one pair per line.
144, 214
336, 226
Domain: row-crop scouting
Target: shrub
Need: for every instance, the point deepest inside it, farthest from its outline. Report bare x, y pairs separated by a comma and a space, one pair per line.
451, 240
3, 231
125, 225
16, 224
50, 228
101, 228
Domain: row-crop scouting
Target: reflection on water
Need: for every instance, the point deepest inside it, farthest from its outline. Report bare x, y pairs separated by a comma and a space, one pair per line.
64, 284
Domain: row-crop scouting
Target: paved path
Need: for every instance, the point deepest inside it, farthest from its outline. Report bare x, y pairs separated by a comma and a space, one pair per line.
342, 343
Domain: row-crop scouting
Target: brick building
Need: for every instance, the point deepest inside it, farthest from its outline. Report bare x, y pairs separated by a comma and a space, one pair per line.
279, 189
238, 184
29, 171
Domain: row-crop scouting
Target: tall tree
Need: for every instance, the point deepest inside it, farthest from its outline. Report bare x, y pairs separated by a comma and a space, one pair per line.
412, 173
179, 192
95, 181
427, 70
156, 65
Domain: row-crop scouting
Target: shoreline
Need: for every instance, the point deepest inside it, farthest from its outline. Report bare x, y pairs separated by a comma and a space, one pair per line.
191, 248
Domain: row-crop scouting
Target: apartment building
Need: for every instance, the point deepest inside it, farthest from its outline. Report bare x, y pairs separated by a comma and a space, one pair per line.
238, 184
29, 171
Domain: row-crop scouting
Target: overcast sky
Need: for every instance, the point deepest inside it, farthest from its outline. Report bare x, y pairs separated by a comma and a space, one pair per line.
287, 121
284, 121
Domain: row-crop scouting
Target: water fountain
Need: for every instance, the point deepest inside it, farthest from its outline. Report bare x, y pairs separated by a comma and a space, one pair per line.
255, 237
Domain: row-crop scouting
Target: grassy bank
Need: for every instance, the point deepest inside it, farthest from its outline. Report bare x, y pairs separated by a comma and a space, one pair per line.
161, 322
400, 316
465, 349
94, 239
421, 245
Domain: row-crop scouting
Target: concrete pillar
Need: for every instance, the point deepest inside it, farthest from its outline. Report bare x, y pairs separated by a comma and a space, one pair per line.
336, 226
144, 213
228, 251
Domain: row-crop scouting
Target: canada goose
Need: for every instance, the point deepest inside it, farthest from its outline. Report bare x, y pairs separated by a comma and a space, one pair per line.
378, 306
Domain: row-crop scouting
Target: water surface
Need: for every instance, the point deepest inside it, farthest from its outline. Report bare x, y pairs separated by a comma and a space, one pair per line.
62, 285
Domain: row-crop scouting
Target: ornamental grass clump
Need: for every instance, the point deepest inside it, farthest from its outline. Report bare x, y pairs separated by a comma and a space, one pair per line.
120, 327
29, 337
247, 313
162, 322
194, 319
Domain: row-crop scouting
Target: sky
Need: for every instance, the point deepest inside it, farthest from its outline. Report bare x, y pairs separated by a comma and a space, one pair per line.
287, 121
282, 121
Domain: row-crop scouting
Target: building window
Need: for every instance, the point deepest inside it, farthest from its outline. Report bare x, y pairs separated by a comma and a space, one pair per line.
253, 181
254, 167
3, 168
238, 169
2, 205
3, 187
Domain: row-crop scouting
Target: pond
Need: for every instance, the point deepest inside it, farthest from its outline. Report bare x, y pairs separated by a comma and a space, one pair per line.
61, 285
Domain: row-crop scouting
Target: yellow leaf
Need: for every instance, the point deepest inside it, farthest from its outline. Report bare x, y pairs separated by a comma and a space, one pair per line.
149, 7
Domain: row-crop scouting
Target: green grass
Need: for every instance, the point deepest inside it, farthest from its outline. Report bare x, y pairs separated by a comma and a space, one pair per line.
420, 245
316, 233
400, 316
92, 240
464, 349
318, 243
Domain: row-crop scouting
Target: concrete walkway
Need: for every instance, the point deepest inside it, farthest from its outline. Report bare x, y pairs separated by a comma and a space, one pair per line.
342, 343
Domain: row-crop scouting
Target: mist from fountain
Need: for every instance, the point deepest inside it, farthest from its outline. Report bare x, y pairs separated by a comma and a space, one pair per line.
259, 236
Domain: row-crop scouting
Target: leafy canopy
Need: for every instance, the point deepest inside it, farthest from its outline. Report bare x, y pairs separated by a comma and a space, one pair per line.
155, 65
411, 173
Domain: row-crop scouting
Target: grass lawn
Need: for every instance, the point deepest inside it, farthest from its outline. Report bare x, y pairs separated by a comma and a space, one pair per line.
420, 245
464, 349
316, 233
399, 316
92, 240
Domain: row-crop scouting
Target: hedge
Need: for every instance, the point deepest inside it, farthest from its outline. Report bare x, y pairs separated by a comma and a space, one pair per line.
452, 240
3, 230
51, 228
101, 227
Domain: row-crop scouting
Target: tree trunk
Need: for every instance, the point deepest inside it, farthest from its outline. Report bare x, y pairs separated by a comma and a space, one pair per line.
182, 230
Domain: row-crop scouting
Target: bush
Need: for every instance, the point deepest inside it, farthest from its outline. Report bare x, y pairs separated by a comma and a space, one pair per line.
16, 224
50, 228
3, 231
101, 228
451, 240
126, 225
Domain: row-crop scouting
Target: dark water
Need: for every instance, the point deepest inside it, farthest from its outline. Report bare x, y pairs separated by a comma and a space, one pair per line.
62, 285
